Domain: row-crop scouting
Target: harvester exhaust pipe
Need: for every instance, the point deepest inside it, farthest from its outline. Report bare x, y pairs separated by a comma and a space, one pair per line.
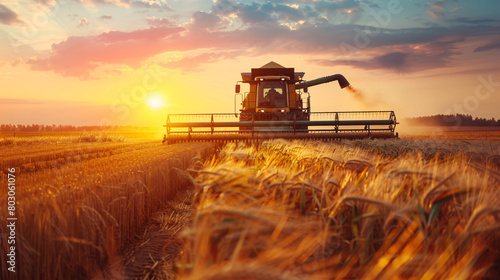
337, 77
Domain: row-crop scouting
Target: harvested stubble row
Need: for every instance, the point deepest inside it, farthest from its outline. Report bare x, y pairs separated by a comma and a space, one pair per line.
49, 156
73, 219
308, 210
154, 254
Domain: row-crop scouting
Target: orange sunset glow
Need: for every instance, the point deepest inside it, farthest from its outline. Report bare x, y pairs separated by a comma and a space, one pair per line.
131, 62
249, 139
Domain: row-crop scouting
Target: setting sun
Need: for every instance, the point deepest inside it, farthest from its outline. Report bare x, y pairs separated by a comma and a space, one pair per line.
155, 102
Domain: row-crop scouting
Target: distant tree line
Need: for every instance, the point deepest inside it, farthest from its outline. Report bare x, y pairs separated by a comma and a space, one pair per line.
63, 128
453, 120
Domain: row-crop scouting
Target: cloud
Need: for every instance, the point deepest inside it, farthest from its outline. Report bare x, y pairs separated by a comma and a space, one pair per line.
408, 59
83, 22
436, 14
437, 9
255, 14
78, 55
258, 14
16, 62
159, 22
396, 60
207, 21
490, 46
438, 4
470, 20
122, 3
401, 62
262, 31
456, 9
9, 17
106, 17
20, 101
329, 6
150, 2
160, 4
12, 48
274, 12
285, 12
193, 62
225, 7
48, 3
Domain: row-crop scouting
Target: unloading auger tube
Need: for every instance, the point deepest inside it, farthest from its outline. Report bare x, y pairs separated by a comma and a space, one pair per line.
278, 106
337, 77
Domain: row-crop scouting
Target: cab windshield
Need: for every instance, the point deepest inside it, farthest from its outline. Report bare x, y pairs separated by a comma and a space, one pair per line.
272, 94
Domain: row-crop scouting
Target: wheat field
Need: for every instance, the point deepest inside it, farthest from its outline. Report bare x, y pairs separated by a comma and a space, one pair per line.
362, 209
79, 200
384, 209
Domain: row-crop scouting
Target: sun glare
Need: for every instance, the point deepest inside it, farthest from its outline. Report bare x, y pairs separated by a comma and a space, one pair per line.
155, 102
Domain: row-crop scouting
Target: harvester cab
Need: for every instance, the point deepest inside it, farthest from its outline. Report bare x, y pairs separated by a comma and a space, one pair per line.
272, 90
278, 105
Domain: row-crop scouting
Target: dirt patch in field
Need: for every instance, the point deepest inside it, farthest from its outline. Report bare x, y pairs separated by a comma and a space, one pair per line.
153, 255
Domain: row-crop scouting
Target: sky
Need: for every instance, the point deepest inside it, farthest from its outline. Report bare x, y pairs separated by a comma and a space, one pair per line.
132, 62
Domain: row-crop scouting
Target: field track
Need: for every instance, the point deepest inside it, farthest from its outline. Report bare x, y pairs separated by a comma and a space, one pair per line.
154, 253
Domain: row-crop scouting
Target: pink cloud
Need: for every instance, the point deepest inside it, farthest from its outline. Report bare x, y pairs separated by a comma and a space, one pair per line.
436, 14
195, 61
83, 22
438, 5
78, 55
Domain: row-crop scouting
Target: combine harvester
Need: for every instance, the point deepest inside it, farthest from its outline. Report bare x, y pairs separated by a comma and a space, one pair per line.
278, 106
